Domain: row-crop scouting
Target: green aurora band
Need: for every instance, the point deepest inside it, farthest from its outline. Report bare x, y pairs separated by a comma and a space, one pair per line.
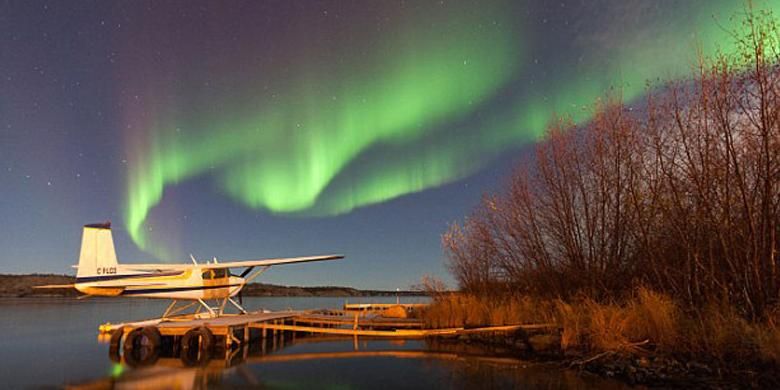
331, 144
282, 157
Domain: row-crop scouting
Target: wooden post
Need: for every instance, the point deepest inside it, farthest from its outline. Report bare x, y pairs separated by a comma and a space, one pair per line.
281, 335
274, 337
263, 339
355, 325
247, 336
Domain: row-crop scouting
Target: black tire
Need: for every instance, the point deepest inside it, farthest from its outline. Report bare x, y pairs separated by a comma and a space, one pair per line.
115, 344
142, 346
196, 346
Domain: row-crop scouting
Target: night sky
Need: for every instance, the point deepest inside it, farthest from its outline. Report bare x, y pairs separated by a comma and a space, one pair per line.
259, 129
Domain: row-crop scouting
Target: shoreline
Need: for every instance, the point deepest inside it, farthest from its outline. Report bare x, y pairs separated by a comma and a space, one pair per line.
21, 286
649, 368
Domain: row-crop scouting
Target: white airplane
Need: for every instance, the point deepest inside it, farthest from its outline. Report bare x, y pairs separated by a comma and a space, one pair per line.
99, 274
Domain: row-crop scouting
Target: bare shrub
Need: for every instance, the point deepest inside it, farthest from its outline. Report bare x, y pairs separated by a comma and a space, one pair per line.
682, 197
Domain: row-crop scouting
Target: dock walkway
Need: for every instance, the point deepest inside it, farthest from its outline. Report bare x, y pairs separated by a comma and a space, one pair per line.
232, 330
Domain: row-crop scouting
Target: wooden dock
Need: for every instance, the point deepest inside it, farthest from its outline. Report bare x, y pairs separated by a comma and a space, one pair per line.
238, 329
373, 307
197, 337
229, 330
315, 322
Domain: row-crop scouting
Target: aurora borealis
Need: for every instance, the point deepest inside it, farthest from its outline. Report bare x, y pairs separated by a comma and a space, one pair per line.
308, 116
428, 70
281, 154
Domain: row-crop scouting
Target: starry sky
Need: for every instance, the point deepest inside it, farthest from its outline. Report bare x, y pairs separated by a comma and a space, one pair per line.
254, 129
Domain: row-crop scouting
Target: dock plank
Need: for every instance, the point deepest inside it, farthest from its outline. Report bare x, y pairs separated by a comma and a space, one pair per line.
175, 324
404, 333
230, 320
362, 321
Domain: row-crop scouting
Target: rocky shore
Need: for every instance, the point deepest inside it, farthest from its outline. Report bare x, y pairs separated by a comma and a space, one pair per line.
639, 366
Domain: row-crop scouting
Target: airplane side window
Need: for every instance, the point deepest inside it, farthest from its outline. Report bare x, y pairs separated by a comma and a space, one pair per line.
214, 274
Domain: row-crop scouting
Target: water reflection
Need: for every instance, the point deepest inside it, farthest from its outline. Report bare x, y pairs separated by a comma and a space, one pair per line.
48, 342
332, 362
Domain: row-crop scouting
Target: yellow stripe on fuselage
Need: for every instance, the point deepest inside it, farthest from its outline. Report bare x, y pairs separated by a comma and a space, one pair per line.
184, 275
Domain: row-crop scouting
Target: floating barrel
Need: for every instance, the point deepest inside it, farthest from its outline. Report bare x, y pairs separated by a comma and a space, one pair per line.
142, 346
196, 346
115, 344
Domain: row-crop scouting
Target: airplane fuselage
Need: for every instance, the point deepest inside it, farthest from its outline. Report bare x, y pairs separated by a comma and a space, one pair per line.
100, 274
189, 284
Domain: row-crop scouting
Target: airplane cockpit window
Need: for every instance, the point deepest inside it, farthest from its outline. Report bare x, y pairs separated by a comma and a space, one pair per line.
214, 274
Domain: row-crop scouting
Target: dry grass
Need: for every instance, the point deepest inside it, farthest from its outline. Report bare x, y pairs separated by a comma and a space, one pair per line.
654, 317
768, 338
608, 326
465, 310
717, 330
649, 317
574, 323
648, 320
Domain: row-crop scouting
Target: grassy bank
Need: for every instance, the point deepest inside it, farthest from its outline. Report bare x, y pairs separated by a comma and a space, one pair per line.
647, 322
712, 343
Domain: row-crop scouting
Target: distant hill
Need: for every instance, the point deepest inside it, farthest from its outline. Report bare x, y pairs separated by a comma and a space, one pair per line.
19, 286
272, 290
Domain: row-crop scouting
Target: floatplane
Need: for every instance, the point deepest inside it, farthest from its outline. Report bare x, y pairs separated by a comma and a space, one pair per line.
99, 274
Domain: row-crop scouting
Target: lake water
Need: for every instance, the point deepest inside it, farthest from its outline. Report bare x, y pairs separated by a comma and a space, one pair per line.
53, 343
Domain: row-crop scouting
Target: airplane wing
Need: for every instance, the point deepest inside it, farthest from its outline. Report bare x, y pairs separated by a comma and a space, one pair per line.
269, 262
227, 264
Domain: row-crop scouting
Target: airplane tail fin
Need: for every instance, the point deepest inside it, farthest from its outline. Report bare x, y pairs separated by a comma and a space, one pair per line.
97, 256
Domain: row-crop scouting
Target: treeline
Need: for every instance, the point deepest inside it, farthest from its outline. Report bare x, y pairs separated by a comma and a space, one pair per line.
680, 196
22, 285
